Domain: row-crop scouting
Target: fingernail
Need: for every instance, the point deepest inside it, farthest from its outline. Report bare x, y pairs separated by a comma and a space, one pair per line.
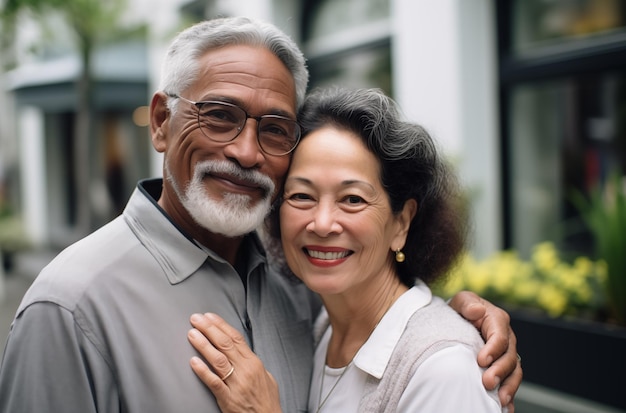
489, 360
193, 333
508, 400
497, 380
196, 318
195, 361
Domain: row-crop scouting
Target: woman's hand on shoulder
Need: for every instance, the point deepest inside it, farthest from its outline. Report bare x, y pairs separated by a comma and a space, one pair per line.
230, 369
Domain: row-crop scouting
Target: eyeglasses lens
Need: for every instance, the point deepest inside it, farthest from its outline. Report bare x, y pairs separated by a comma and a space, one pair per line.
223, 122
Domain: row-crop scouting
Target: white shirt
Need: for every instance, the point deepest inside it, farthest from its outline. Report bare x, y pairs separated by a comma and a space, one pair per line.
450, 380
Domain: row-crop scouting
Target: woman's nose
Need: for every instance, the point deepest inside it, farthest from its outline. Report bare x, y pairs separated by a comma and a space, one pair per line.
324, 221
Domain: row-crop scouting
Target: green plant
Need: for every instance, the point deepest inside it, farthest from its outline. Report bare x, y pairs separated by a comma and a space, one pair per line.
604, 212
543, 283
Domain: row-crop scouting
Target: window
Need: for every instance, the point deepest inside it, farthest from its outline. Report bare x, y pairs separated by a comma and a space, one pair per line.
552, 25
563, 112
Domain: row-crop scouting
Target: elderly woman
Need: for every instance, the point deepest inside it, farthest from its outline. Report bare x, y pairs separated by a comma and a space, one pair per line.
371, 215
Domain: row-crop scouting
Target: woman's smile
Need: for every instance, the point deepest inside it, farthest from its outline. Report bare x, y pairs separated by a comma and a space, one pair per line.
326, 254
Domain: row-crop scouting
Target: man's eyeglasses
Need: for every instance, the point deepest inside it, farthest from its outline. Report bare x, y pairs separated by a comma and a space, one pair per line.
223, 122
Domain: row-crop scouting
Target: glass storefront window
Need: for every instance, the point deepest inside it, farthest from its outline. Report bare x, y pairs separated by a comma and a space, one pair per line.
565, 134
541, 24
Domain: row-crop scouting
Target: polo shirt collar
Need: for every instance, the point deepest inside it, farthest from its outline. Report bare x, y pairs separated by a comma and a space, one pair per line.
177, 254
375, 354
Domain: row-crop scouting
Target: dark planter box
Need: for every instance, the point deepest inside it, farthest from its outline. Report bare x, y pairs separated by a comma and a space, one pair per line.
581, 358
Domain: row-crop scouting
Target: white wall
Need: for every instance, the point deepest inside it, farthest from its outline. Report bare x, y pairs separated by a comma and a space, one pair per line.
445, 79
425, 66
481, 141
33, 175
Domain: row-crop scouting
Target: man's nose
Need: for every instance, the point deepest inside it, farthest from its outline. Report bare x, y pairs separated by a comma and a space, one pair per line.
245, 149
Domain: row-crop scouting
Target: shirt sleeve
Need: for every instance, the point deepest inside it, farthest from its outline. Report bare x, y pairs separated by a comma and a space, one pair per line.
449, 381
50, 365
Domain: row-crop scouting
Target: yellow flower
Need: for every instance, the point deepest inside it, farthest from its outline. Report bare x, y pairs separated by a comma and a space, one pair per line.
552, 300
543, 282
479, 279
545, 256
526, 291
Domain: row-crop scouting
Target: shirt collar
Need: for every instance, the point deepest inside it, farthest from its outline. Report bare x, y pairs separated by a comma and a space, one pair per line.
176, 252
375, 354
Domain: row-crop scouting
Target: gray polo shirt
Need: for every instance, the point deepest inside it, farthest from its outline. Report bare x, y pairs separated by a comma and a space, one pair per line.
104, 326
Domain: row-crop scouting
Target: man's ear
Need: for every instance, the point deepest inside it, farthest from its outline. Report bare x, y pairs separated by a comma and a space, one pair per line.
159, 116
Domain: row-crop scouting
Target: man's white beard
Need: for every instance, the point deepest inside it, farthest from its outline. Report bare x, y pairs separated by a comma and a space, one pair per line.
233, 215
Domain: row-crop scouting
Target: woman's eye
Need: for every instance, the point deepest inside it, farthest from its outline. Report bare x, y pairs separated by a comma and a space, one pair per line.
299, 197
354, 200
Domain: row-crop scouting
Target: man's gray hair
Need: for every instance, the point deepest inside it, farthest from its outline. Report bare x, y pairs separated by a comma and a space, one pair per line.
180, 67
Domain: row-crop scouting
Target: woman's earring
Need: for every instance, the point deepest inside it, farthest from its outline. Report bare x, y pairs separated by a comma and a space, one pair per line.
399, 255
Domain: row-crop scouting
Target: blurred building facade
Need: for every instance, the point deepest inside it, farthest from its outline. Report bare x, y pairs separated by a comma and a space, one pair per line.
526, 96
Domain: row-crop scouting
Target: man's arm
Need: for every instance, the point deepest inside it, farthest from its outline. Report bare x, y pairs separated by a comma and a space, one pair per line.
499, 354
44, 365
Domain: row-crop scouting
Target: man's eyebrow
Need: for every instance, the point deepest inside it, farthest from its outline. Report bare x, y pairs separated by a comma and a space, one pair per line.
239, 103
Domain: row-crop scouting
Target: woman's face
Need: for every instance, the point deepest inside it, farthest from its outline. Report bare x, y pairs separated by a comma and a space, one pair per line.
337, 228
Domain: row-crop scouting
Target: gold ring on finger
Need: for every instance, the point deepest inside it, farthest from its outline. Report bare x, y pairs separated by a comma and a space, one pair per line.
232, 368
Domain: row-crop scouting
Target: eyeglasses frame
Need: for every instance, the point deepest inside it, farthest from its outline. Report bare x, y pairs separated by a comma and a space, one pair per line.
199, 104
